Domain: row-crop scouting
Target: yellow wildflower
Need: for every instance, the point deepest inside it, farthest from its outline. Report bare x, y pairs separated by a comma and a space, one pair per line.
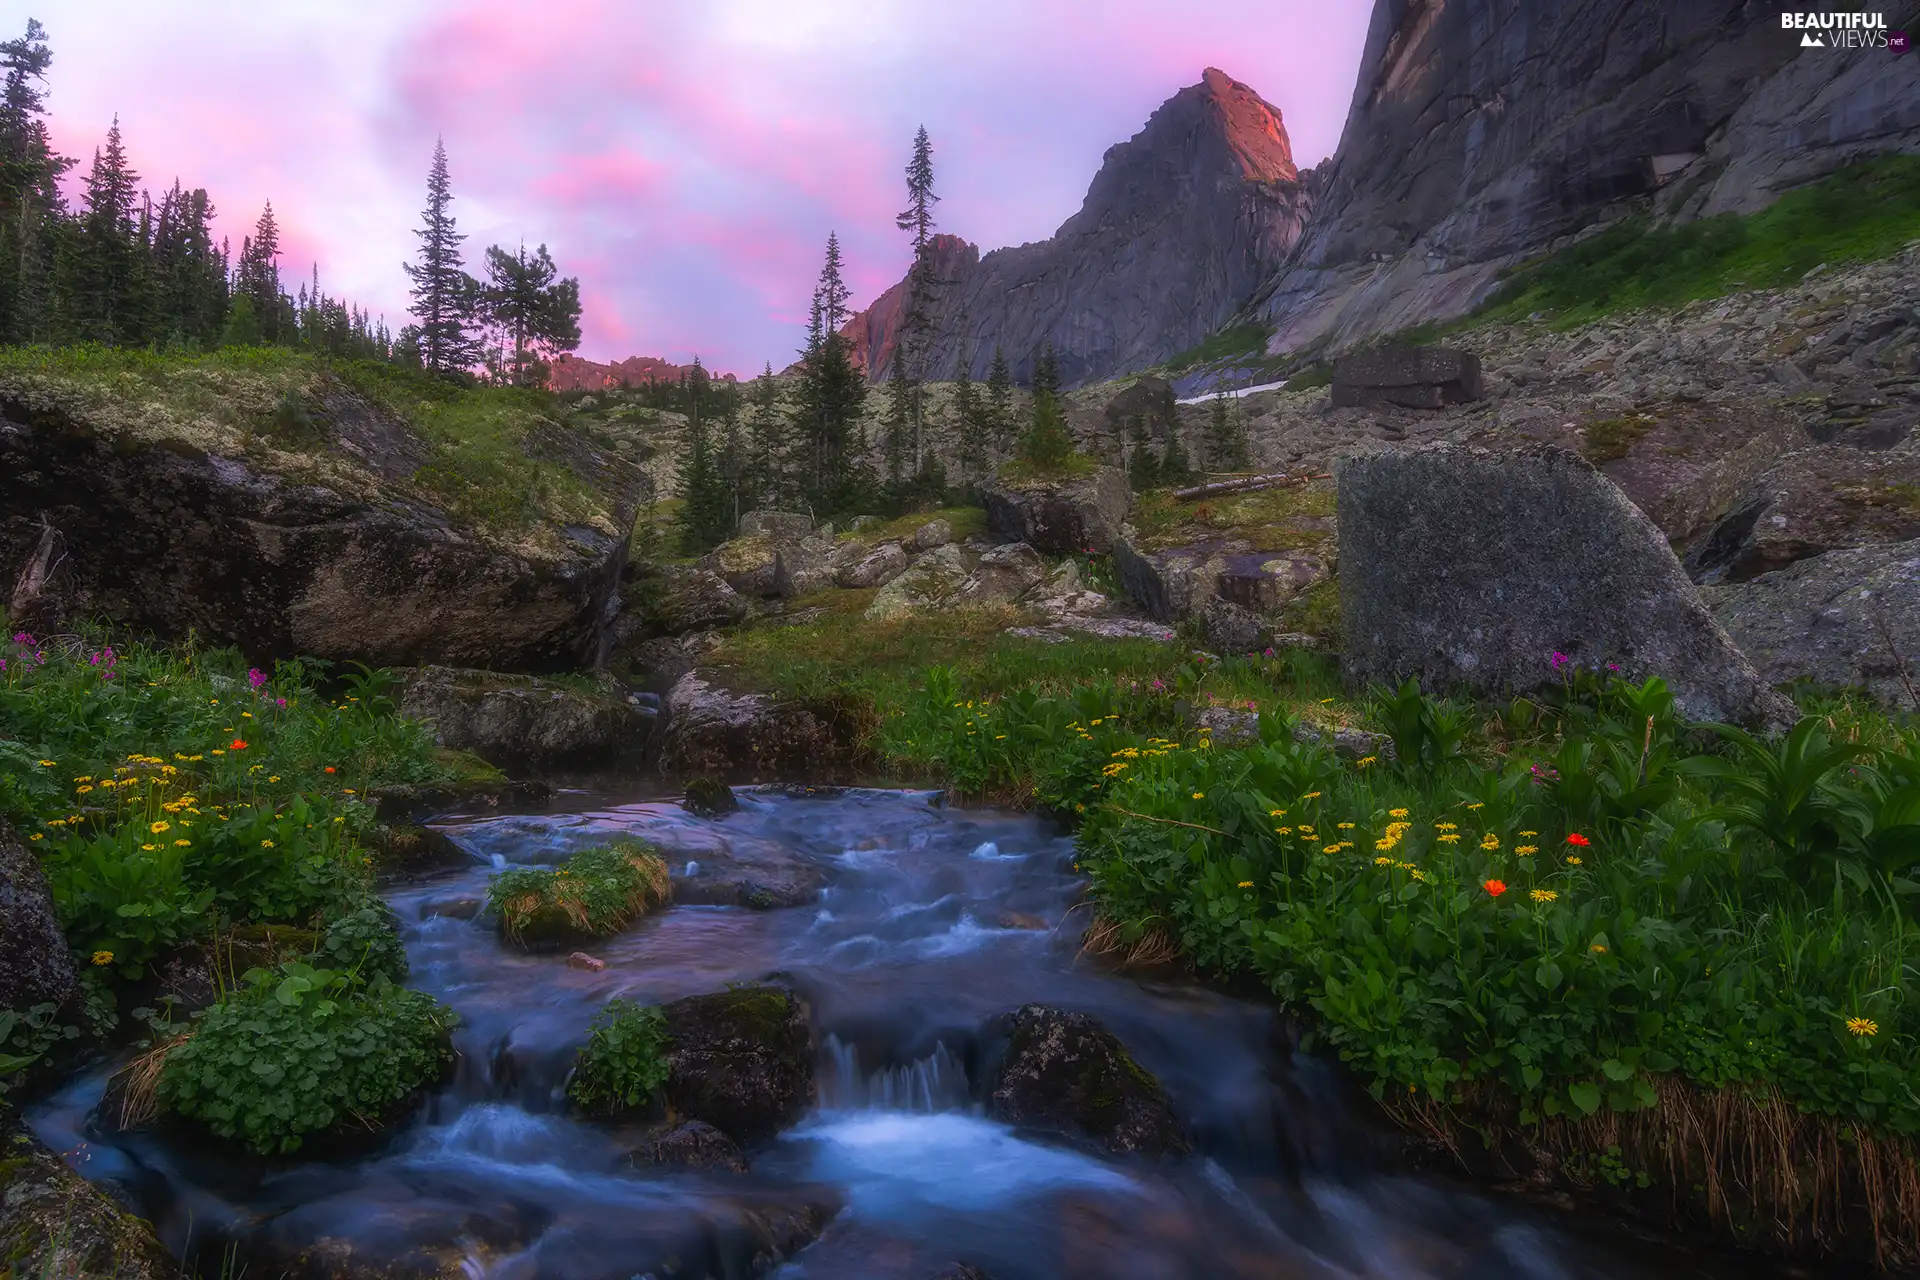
1476, 805
1396, 813
1199, 795
1449, 839
1574, 860
1276, 813
158, 827
1489, 841
1543, 895
184, 844
1311, 795
80, 791
266, 844
1597, 949
1863, 1026
1244, 884
1418, 874
1344, 826
48, 764
1529, 833
1526, 850
149, 848
1446, 826
1383, 862
103, 957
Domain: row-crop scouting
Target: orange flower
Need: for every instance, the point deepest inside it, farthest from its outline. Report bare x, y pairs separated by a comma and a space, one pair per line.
1495, 888
1575, 838
329, 768
239, 745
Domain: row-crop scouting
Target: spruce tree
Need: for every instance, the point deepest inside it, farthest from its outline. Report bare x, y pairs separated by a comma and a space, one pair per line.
537, 315
31, 207
1000, 402
766, 443
443, 294
104, 256
1048, 444
1175, 469
916, 321
828, 472
900, 391
1143, 468
833, 294
259, 277
706, 516
1226, 438
969, 430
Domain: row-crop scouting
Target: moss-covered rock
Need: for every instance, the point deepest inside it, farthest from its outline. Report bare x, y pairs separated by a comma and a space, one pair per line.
595, 893
54, 1223
1065, 1073
1074, 510
34, 965
740, 1060
708, 797
690, 1144
524, 719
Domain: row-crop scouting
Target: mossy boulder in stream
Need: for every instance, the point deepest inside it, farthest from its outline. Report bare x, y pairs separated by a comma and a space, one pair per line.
53, 1222
1066, 1073
595, 893
740, 1060
708, 797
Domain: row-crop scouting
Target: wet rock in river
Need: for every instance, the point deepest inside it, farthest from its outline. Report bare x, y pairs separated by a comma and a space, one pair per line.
35, 967
693, 1144
740, 1060
1066, 1073
53, 1222
522, 718
708, 797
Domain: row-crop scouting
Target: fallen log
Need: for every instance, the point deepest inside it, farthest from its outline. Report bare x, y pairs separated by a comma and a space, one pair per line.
1246, 484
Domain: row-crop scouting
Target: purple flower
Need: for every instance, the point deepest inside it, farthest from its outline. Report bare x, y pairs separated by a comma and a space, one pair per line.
256, 677
279, 702
1613, 666
1269, 652
1559, 659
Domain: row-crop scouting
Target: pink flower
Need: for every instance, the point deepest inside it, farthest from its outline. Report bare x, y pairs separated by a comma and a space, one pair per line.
1559, 659
256, 677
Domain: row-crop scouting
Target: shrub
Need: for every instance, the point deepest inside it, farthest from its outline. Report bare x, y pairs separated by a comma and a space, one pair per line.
623, 1064
592, 894
305, 1051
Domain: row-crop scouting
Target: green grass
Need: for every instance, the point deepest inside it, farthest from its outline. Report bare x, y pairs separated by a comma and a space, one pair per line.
1284, 518
1021, 471
1235, 342
967, 522
1865, 211
271, 404
594, 893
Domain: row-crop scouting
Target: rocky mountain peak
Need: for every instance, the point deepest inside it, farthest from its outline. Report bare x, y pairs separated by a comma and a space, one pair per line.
1252, 127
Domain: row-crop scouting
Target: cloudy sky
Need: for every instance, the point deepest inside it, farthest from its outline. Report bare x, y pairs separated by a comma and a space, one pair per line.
684, 158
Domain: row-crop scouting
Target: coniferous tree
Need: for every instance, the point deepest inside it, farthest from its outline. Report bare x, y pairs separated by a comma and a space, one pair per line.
833, 294
1046, 371
916, 322
829, 472
706, 513
537, 315
1048, 443
104, 254
767, 479
1226, 438
1174, 466
1143, 468
1000, 401
733, 455
31, 207
258, 279
900, 391
970, 429
443, 294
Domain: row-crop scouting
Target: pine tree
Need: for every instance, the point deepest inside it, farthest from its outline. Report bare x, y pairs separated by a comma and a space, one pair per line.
31, 206
706, 510
1174, 467
1226, 438
733, 455
443, 294
258, 279
900, 391
970, 431
1048, 443
828, 471
102, 266
1000, 402
833, 294
766, 443
916, 322
1143, 468
540, 317
1046, 371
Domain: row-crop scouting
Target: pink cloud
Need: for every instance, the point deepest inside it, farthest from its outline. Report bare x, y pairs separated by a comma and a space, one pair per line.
686, 161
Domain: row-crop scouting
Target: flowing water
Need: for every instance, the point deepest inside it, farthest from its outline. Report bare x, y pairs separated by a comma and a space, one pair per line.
932, 921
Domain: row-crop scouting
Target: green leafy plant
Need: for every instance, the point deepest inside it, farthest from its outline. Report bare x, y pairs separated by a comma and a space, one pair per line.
302, 1051
623, 1065
366, 941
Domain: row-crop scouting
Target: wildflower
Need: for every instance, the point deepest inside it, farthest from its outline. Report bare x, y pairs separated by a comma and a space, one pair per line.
1417, 874
1364, 761
158, 827
1476, 805
1543, 895
80, 791
1578, 840
1332, 848
103, 957
1244, 884
1863, 1026
184, 844
256, 677
148, 848
1276, 813
1446, 826
1325, 701
1283, 830
328, 769
1495, 888
1396, 813
48, 764
1311, 795
266, 844
1489, 841
1529, 833
1528, 850
1559, 660
1597, 949
273, 777
1574, 861
238, 745
1383, 862
1199, 795
1449, 838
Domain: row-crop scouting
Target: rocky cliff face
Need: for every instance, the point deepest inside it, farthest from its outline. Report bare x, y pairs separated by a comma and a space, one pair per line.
1178, 228
571, 373
1483, 131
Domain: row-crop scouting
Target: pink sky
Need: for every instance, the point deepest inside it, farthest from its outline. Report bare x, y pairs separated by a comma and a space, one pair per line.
685, 160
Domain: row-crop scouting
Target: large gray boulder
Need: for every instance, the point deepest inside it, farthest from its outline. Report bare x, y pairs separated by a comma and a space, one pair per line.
1060, 516
740, 1060
682, 598
928, 581
1411, 377
1064, 1072
53, 1222
1844, 619
1469, 568
781, 526
35, 967
1003, 575
804, 567
524, 719
749, 564
875, 568
711, 730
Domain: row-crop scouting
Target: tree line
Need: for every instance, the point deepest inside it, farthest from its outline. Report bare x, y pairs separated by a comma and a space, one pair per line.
124, 269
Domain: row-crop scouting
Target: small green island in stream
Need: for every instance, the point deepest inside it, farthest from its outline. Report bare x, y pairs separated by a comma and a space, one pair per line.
1288, 643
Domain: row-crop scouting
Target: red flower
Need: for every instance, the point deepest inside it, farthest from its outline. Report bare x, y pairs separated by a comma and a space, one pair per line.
1578, 840
1495, 888
239, 745
329, 768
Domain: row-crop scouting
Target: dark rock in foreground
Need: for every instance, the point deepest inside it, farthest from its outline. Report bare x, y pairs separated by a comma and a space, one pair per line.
714, 731
53, 1222
1060, 516
1462, 567
709, 798
740, 1060
1066, 1073
1411, 377
523, 718
1179, 582
693, 1144
1846, 619
34, 965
